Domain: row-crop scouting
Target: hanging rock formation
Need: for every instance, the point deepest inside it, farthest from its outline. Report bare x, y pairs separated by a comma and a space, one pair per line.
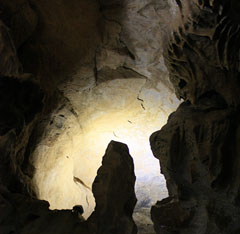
198, 148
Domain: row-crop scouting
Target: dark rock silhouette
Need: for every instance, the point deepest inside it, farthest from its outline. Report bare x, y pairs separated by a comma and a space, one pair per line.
113, 189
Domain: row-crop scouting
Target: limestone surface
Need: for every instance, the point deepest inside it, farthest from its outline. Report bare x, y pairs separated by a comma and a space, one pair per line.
199, 160
197, 148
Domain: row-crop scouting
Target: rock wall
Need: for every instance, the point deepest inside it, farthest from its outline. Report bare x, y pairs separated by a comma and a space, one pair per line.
198, 149
57, 59
113, 213
102, 89
60, 57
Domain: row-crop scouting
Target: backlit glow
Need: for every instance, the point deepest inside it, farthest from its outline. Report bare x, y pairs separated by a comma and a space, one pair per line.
122, 110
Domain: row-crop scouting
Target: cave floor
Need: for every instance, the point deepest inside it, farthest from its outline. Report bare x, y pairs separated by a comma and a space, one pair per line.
143, 221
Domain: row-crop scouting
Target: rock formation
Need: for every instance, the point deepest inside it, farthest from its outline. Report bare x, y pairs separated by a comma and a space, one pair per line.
198, 149
20, 214
113, 189
64, 64
115, 199
58, 58
104, 77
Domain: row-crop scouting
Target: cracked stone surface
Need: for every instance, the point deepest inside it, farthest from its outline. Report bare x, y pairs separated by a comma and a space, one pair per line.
111, 93
101, 69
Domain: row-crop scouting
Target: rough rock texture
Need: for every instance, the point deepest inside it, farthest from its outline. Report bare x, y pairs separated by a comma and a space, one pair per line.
115, 200
18, 22
20, 214
106, 80
202, 53
51, 41
198, 149
20, 102
200, 162
9, 64
101, 69
113, 189
83, 55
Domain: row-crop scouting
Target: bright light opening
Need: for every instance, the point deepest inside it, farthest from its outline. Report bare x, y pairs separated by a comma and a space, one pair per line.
127, 111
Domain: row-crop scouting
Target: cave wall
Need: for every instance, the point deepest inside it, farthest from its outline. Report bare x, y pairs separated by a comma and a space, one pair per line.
96, 77
23, 214
53, 54
198, 147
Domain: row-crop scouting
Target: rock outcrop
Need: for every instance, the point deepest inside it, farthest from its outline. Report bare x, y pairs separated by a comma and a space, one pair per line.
113, 189
198, 149
200, 161
21, 214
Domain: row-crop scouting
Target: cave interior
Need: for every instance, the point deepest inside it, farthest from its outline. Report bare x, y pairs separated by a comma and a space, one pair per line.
119, 117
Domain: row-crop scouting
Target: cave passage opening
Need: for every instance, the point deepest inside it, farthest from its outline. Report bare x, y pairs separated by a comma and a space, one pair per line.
68, 157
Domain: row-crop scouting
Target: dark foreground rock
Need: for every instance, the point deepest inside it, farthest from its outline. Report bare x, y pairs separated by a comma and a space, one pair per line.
113, 190
200, 159
198, 148
20, 214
